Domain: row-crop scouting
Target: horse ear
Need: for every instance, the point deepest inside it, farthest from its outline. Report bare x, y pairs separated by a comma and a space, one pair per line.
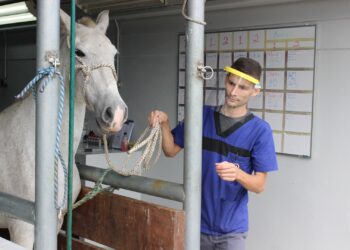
65, 22
102, 21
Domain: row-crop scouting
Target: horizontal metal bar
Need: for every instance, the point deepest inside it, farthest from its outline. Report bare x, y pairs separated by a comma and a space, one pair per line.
141, 184
17, 207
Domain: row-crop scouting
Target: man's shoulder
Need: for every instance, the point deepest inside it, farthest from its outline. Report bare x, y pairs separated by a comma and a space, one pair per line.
261, 122
209, 109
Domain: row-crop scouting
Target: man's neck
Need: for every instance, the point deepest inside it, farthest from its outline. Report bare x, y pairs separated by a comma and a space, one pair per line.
234, 112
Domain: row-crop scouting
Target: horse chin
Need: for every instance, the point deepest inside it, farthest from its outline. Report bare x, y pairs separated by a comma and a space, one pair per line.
112, 129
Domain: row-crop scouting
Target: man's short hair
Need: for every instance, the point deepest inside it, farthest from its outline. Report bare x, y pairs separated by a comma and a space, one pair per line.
248, 66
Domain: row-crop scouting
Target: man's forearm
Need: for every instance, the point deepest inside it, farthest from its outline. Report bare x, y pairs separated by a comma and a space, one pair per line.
170, 149
252, 182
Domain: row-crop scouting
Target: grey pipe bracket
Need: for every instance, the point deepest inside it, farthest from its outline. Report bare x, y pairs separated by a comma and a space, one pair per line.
52, 58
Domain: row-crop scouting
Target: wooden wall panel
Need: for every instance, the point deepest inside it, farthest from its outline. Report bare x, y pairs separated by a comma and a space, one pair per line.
127, 224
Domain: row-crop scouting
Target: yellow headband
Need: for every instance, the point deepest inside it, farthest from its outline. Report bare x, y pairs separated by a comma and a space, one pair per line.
241, 74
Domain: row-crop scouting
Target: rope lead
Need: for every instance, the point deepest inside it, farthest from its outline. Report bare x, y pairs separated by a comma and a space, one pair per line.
143, 164
50, 72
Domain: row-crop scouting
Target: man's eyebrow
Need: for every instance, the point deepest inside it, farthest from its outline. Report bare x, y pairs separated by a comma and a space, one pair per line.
231, 81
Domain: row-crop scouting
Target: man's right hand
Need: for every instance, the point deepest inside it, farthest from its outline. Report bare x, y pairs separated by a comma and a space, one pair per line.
157, 116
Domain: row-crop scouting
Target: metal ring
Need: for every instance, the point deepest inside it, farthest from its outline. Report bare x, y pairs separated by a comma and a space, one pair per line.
203, 70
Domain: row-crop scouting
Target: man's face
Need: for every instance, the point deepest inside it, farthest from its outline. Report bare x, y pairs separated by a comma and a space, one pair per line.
238, 91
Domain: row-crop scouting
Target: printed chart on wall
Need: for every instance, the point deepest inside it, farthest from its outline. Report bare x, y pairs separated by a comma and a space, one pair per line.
287, 57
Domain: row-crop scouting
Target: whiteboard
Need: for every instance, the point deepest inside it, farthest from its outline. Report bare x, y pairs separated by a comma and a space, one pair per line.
239, 54
298, 123
240, 40
211, 82
182, 78
277, 138
221, 97
181, 96
287, 58
275, 59
182, 43
225, 59
226, 41
274, 79
274, 100
301, 102
182, 61
222, 76
211, 42
210, 97
180, 113
300, 58
292, 33
256, 39
256, 102
258, 56
275, 120
297, 144
300, 80
211, 59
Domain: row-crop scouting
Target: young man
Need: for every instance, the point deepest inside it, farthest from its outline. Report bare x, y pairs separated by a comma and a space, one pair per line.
238, 151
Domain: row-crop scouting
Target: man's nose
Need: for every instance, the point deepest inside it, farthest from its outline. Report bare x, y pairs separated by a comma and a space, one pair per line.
234, 90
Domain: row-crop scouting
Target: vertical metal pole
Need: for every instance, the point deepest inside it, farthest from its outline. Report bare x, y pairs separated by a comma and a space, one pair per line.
193, 128
46, 122
71, 127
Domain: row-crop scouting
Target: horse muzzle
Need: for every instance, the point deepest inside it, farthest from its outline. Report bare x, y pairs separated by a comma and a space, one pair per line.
111, 121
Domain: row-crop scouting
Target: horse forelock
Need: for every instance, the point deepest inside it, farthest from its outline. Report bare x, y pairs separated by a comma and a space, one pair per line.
87, 21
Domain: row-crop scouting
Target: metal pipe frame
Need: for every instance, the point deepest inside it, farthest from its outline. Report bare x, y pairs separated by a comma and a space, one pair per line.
45, 213
17, 207
163, 189
193, 128
48, 38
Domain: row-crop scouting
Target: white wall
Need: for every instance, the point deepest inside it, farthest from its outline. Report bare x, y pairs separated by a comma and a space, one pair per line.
305, 205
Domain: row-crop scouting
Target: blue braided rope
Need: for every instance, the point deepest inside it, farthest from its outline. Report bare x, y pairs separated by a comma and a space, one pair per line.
58, 154
50, 72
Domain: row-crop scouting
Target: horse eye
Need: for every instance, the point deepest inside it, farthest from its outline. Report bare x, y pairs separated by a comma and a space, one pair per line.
79, 53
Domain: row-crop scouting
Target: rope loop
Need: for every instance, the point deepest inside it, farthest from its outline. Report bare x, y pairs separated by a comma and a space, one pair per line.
143, 164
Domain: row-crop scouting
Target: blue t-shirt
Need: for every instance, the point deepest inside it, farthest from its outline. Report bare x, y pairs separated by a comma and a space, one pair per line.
248, 143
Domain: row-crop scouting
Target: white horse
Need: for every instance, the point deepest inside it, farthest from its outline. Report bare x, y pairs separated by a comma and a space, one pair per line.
95, 88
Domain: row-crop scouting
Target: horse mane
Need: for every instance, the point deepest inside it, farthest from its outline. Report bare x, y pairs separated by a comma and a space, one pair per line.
87, 21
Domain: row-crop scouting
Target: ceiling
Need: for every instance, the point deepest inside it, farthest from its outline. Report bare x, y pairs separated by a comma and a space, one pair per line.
128, 9
141, 8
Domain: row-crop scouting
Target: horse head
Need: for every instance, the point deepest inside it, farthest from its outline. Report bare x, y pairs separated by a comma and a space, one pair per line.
95, 71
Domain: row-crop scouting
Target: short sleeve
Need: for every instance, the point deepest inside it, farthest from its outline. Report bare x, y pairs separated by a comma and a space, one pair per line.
263, 153
178, 133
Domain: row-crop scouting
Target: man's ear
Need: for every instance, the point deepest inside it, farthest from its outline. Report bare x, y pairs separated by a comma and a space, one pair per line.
102, 21
256, 91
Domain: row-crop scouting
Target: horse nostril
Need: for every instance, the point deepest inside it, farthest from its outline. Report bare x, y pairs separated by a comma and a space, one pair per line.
108, 115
